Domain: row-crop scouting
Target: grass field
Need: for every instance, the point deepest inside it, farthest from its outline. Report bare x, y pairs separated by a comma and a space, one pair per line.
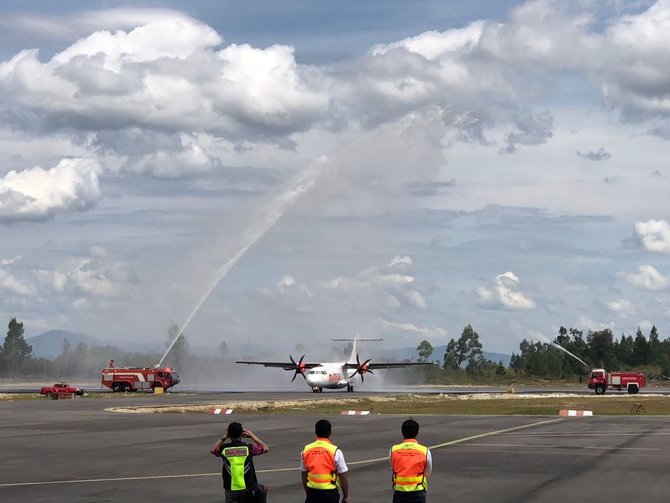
612, 404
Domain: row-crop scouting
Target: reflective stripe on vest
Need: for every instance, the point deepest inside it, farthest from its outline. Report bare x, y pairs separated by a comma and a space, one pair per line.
319, 459
408, 461
237, 465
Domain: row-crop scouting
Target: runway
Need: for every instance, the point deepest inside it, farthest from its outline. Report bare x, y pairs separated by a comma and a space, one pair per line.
75, 451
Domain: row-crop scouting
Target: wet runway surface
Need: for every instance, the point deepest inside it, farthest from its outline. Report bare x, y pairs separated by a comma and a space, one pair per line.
75, 451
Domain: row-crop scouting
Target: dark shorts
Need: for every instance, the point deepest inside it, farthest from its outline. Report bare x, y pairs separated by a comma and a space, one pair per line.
236, 496
409, 497
322, 496
258, 495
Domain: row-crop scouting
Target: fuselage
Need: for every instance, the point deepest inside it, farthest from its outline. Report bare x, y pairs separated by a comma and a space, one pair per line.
329, 376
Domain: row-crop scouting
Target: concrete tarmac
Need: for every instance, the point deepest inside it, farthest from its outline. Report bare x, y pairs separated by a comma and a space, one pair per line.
75, 451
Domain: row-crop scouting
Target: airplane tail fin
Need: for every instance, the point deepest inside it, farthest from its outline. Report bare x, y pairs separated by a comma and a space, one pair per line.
354, 348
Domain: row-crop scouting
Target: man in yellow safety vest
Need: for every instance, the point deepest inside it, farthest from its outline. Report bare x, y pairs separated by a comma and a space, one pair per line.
411, 464
323, 468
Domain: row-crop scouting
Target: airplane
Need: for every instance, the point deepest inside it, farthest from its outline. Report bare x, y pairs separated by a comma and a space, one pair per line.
333, 375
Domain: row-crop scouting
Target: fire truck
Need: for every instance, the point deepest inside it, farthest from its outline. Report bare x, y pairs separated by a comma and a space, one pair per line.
601, 381
138, 379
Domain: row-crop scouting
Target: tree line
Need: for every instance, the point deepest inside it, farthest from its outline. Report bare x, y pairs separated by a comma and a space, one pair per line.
464, 361
83, 360
598, 349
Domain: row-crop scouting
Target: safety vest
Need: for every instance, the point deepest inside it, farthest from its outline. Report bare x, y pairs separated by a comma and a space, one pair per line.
408, 461
238, 469
319, 459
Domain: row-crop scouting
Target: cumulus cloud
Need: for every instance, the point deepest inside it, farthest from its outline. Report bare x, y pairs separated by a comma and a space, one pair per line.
163, 75
377, 288
97, 276
39, 194
622, 307
9, 283
600, 155
531, 129
153, 72
647, 278
593, 325
645, 325
188, 158
505, 294
487, 58
391, 285
654, 235
291, 293
632, 78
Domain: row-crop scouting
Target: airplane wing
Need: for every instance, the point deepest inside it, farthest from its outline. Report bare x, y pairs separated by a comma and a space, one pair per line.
281, 365
298, 367
386, 365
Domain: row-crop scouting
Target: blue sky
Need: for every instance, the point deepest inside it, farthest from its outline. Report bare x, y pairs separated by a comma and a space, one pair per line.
500, 166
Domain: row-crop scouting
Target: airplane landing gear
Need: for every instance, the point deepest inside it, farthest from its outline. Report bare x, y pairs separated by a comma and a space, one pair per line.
317, 390
350, 388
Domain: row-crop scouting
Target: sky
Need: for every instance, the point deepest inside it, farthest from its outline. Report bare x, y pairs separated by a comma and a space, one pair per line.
499, 164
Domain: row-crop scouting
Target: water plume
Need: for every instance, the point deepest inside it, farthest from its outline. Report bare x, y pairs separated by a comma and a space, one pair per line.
558, 346
268, 217
563, 349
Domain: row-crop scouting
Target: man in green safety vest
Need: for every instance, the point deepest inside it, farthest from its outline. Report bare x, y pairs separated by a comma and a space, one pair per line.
239, 475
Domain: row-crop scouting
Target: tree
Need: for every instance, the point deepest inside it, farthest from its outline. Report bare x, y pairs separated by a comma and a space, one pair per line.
223, 349
450, 358
15, 349
640, 349
626, 350
64, 358
473, 353
425, 350
601, 344
654, 346
180, 351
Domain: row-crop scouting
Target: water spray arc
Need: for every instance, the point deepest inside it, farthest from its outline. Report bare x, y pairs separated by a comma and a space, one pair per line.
269, 216
563, 349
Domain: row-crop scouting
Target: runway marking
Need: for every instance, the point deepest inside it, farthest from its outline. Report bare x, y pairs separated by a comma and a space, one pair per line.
467, 439
542, 446
594, 434
271, 470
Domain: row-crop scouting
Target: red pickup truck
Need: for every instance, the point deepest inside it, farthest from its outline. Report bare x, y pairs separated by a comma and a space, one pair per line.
60, 388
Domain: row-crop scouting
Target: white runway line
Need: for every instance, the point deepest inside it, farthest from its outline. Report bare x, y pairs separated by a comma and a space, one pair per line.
272, 470
544, 446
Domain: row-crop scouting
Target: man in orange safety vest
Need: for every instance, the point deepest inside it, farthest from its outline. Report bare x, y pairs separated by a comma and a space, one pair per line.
323, 468
411, 463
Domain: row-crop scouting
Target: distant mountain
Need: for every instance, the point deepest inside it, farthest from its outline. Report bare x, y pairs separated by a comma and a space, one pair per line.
50, 344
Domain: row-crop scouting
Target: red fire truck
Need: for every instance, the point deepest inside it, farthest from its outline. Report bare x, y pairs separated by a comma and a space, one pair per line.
600, 381
136, 378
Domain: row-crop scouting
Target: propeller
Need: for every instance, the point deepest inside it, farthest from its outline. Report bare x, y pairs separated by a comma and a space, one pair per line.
361, 369
298, 367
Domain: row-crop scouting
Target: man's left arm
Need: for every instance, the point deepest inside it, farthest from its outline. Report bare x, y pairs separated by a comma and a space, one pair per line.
342, 475
429, 464
344, 485
250, 434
